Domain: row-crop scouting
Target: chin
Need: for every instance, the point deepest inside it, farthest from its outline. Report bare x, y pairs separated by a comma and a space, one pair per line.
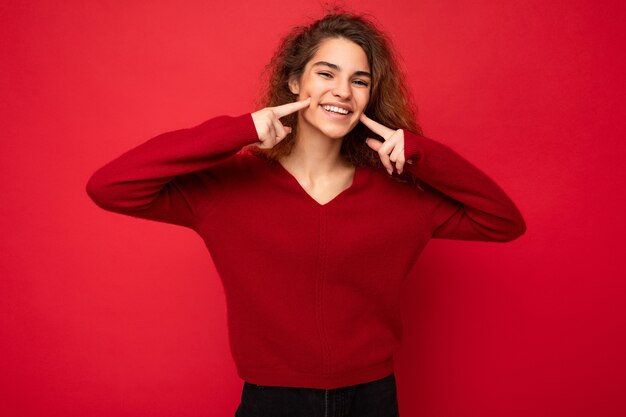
336, 133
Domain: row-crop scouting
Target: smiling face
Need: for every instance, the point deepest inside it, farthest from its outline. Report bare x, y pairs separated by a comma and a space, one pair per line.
337, 78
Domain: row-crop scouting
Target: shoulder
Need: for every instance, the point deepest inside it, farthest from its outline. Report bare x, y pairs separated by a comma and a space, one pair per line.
403, 182
229, 175
405, 190
241, 164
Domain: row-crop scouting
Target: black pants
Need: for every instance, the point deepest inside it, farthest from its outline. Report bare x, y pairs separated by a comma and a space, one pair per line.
372, 399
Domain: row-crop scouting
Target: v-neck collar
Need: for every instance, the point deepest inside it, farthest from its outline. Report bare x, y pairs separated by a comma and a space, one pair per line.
355, 180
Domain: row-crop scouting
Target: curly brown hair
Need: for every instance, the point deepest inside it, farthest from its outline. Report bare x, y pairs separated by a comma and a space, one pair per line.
390, 100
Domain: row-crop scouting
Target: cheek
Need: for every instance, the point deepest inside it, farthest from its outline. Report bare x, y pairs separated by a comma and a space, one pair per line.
314, 89
362, 105
306, 93
364, 99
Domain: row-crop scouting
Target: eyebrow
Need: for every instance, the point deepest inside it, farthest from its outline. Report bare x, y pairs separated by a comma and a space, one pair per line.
338, 68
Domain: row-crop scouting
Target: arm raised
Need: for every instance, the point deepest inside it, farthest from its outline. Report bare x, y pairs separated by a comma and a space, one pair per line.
472, 206
149, 180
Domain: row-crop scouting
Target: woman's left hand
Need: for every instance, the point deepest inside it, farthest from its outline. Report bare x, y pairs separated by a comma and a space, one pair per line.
390, 151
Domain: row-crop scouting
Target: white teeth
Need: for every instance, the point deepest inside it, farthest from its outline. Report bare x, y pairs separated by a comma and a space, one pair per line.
336, 109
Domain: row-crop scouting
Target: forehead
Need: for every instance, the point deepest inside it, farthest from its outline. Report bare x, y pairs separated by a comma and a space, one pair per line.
342, 52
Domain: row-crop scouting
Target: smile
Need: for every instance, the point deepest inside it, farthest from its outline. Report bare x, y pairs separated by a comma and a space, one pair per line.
338, 111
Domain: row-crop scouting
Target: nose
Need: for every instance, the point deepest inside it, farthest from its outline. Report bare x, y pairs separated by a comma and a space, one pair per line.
342, 89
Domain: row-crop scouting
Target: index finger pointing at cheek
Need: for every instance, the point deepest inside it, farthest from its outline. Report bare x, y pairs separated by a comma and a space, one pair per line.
376, 127
289, 108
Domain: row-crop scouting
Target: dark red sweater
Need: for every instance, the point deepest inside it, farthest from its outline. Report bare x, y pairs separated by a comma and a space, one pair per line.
312, 291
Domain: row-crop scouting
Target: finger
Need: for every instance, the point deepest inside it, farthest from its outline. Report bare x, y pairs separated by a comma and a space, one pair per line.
400, 165
376, 127
279, 129
269, 139
285, 109
375, 144
397, 156
383, 153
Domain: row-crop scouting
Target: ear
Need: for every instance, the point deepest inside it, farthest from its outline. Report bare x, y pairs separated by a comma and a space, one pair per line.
294, 85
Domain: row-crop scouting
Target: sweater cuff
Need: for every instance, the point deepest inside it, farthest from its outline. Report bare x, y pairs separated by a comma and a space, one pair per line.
248, 130
412, 146
235, 131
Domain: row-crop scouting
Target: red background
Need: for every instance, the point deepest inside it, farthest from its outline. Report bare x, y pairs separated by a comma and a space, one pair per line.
107, 315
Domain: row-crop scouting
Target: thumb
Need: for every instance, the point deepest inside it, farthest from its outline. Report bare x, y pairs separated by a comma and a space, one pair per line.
373, 143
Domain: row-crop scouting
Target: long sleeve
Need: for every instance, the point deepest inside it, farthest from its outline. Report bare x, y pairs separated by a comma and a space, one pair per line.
471, 206
152, 180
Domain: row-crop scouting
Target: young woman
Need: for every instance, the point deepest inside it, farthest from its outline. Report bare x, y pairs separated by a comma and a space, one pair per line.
313, 228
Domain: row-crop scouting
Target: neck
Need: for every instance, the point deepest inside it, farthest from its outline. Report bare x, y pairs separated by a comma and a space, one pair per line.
315, 155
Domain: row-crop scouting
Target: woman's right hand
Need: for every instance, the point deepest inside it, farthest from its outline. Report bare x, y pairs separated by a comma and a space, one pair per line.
269, 129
